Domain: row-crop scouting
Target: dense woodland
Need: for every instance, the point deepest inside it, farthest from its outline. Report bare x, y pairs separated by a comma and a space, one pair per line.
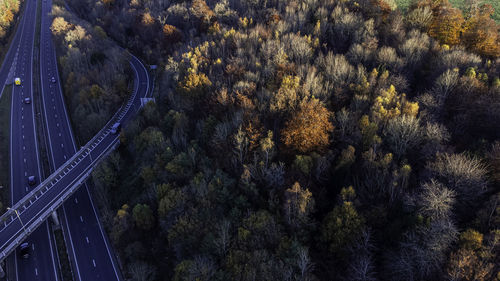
295, 140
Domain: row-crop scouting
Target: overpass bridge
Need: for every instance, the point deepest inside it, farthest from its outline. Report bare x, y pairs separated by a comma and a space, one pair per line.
32, 210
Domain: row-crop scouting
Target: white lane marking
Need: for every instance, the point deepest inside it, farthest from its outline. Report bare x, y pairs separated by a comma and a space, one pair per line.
86, 238
62, 145
76, 200
81, 218
26, 189
33, 246
36, 271
93, 261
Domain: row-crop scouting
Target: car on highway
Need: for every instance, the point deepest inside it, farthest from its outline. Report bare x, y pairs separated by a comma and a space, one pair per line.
27, 100
24, 250
116, 128
53, 79
31, 180
17, 81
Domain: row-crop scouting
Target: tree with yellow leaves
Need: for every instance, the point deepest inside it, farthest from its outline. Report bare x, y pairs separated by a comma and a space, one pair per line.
286, 98
309, 128
389, 104
194, 85
298, 203
447, 24
481, 33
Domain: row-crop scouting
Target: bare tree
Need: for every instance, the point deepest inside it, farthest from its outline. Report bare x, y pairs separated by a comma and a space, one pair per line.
305, 264
464, 174
223, 239
436, 201
403, 133
361, 263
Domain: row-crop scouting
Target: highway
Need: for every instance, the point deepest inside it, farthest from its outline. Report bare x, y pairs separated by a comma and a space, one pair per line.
36, 207
88, 247
25, 162
11, 55
89, 251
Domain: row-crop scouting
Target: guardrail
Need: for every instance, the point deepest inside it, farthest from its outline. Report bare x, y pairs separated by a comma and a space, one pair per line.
21, 206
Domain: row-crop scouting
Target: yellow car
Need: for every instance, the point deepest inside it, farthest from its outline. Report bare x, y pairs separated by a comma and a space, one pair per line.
17, 81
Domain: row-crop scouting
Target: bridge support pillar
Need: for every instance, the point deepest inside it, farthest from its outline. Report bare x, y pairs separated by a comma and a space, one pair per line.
2, 272
55, 218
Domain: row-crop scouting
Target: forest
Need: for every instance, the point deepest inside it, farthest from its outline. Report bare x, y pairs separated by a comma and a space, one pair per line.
294, 139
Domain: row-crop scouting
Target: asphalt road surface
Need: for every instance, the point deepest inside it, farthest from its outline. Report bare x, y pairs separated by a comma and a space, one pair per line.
34, 209
91, 255
25, 162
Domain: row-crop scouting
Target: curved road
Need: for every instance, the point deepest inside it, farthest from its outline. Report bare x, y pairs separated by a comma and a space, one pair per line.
89, 249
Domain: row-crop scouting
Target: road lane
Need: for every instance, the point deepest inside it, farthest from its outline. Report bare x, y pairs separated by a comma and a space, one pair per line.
41, 265
46, 197
90, 261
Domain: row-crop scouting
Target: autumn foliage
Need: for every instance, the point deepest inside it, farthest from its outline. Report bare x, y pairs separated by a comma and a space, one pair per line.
477, 31
447, 24
481, 33
8, 9
309, 128
298, 139
171, 34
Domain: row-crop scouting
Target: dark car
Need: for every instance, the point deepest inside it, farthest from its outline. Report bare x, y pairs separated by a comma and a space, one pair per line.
31, 180
116, 128
24, 250
27, 100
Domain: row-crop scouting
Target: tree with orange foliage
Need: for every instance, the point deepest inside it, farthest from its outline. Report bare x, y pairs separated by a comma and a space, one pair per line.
202, 12
447, 24
147, 19
108, 3
309, 128
481, 32
171, 33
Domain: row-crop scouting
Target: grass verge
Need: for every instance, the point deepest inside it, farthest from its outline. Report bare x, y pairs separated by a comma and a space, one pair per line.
37, 93
62, 252
5, 104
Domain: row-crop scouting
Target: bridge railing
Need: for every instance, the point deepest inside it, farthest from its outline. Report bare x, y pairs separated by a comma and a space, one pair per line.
22, 205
